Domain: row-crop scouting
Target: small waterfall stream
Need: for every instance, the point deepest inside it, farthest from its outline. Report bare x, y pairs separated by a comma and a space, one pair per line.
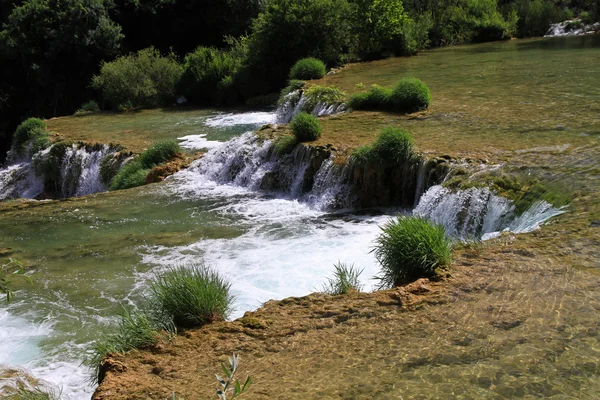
297, 101
79, 173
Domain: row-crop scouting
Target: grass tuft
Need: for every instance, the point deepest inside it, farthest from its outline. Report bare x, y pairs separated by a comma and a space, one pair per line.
306, 127
31, 131
345, 280
307, 69
159, 152
192, 295
284, 145
409, 248
409, 95
136, 330
393, 146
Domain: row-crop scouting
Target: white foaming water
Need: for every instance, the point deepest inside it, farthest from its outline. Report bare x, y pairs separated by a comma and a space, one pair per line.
574, 27
296, 102
80, 171
20, 181
477, 212
197, 142
251, 118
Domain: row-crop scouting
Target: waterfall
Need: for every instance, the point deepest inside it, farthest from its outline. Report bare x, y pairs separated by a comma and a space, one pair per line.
297, 101
479, 213
574, 27
307, 174
78, 168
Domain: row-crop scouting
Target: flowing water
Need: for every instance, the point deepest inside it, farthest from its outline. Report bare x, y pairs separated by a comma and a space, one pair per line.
91, 254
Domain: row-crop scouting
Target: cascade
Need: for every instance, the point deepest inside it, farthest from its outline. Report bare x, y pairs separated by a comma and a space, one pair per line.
479, 213
78, 168
297, 101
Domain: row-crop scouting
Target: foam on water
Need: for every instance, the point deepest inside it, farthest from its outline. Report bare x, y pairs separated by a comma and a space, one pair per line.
250, 118
197, 142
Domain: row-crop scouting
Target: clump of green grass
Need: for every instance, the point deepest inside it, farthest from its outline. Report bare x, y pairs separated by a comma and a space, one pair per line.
159, 152
322, 94
392, 146
409, 95
308, 68
136, 330
10, 272
88, 107
345, 280
192, 295
306, 127
409, 248
285, 145
376, 98
135, 172
32, 132
132, 174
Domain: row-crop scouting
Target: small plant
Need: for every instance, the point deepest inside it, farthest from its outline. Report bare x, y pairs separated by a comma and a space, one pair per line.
284, 145
159, 152
393, 146
322, 94
345, 280
306, 127
376, 98
32, 132
88, 107
409, 248
307, 69
192, 295
9, 272
409, 95
136, 330
135, 172
231, 386
131, 175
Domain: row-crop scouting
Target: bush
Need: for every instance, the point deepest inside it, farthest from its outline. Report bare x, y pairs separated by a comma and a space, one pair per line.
536, 16
208, 73
136, 330
32, 132
131, 175
322, 94
284, 145
409, 95
159, 152
409, 248
289, 30
192, 295
144, 79
393, 146
376, 98
88, 107
307, 69
306, 127
345, 280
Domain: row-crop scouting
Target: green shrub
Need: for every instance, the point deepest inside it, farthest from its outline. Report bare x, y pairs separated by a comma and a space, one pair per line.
393, 146
306, 127
345, 280
208, 74
88, 107
289, 30
409, 248
144, 79
536, 16
159, 152
136, 330
409, 95
307, 69
322, 94
376, 98
131, 175
284, 145
31, 131
192, 295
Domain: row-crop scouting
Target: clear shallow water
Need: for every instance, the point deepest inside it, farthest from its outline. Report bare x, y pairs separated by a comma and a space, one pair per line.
91, 254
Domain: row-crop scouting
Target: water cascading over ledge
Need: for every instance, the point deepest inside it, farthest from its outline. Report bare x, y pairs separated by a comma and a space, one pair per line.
59, 171
298, 101
313, 175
